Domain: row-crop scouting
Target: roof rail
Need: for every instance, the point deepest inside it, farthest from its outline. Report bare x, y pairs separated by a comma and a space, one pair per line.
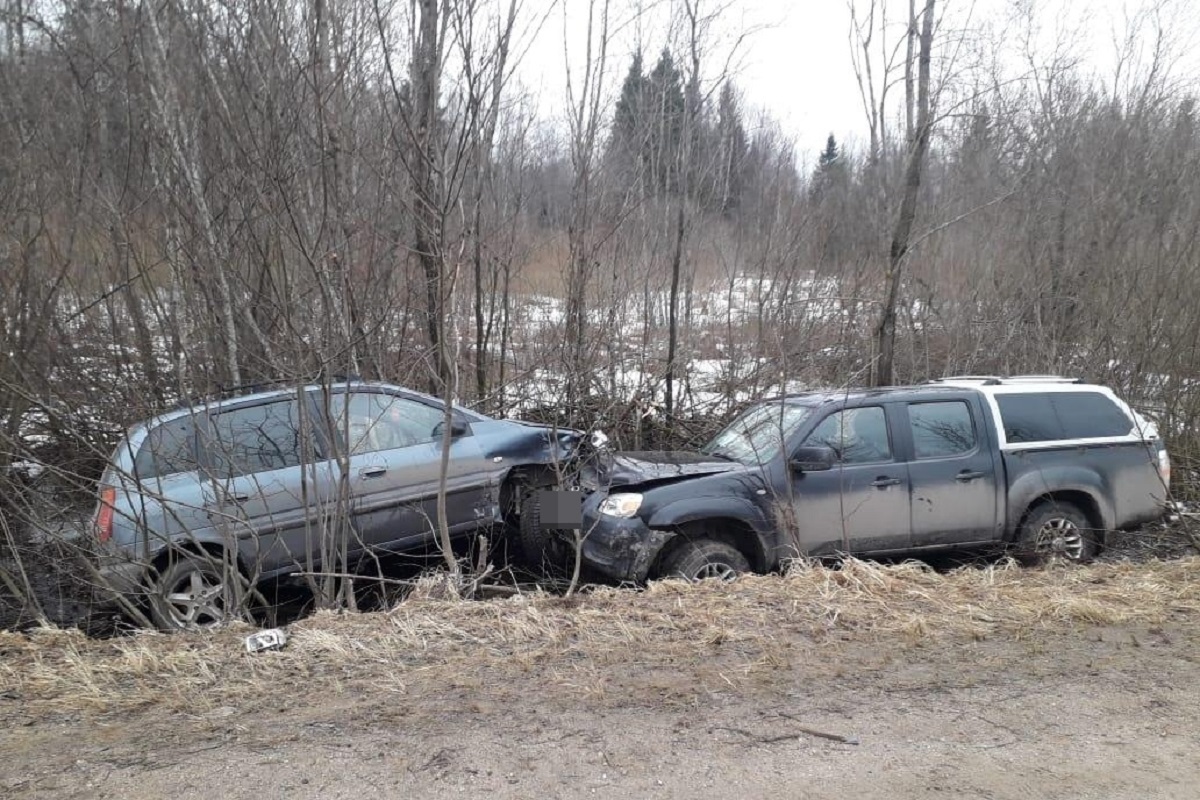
228, 392
285, 383
995, 380
224, 392
1042, 379
986, 380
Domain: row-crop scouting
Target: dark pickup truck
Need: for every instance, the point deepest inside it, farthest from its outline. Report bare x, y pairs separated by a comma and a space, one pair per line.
1044, 465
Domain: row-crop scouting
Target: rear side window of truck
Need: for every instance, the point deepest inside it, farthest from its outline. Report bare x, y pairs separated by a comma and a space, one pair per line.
1060, 416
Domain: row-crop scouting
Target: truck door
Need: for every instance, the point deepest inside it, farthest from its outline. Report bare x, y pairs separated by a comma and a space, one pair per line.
862, 504
953, 473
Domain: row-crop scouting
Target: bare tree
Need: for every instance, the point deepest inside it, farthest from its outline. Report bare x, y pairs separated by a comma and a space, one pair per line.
918, 148
585, 99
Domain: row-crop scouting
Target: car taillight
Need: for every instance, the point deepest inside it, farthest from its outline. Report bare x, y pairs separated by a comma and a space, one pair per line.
1164, 467
104, 516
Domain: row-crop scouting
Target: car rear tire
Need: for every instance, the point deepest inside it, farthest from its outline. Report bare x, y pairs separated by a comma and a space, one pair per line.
1057, 531
704, 559
195, 591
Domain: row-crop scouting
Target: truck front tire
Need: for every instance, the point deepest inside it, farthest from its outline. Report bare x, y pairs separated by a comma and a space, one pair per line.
702, 559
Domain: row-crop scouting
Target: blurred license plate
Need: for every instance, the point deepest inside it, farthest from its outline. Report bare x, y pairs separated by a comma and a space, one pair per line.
561, 509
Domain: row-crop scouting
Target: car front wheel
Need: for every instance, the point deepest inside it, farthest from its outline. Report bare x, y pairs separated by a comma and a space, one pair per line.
704, 559
540, 546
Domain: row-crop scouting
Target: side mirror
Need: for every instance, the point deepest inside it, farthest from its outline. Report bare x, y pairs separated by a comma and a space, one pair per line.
458, 427
812, 459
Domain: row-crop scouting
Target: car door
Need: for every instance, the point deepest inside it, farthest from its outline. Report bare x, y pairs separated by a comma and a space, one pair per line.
394, 444
953, 474
264, 475
861, 505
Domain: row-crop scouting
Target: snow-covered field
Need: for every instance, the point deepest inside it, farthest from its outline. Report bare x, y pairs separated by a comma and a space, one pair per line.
714, 371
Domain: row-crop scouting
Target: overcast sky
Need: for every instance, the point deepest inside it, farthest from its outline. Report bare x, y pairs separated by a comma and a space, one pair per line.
794, 61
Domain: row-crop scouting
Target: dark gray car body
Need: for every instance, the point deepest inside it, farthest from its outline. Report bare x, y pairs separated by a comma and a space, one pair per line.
276, 521
772, 511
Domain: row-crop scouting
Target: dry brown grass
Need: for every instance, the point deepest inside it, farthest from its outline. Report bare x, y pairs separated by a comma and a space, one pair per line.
581, 645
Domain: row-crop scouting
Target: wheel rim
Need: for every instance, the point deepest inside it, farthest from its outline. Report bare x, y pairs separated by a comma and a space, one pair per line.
1060, 537
196, 600
716, 570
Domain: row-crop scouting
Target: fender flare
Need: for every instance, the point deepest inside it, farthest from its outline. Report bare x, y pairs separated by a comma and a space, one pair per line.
1033, 485
682, 512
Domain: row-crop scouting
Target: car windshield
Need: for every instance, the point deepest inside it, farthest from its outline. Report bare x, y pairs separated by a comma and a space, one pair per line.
757, 436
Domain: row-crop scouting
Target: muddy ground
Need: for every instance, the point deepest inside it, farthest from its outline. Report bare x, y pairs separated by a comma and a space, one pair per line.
868, 682
1087, 714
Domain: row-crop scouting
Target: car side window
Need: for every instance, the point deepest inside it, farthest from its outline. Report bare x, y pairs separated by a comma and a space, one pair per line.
371, 422
941, 429
257, 439
168, 449
856, 435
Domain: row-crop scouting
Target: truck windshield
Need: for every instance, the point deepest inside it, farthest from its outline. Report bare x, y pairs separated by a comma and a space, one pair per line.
758, 435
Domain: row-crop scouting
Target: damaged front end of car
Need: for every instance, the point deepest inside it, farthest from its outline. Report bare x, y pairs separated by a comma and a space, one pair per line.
573, 457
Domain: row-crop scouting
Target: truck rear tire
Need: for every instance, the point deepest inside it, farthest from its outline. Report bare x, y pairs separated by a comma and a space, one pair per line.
1057, 531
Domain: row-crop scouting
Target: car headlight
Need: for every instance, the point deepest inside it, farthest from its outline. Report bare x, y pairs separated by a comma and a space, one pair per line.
599, 439
621, 505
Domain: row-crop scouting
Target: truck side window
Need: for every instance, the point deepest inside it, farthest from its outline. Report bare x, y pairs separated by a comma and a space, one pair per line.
1089, 415
856, 435
941, 429
1029, 418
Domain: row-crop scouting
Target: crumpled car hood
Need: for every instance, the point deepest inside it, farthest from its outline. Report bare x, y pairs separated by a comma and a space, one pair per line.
659, 466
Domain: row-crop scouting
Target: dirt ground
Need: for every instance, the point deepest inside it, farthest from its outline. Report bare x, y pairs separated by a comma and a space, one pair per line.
875, 682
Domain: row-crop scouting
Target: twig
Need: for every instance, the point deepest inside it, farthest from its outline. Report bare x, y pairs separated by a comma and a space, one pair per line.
348, 576
802, 730
469, 589
833, 737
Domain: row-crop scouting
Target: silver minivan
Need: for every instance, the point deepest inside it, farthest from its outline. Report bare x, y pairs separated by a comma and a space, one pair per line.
204, 501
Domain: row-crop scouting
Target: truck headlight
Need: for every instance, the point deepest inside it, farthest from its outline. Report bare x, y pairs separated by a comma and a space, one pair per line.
621, 505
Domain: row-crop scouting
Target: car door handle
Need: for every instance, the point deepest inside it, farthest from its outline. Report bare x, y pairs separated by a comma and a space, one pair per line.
968, 475
217, 506
883, 482
371, 472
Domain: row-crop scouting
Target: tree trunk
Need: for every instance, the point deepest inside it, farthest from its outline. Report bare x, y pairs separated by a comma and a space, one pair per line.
885, 331
485, 136
427, 212
182, 148
427, 241
673, 312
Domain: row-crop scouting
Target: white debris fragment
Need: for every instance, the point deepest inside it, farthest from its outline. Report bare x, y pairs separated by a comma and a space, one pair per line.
273, 639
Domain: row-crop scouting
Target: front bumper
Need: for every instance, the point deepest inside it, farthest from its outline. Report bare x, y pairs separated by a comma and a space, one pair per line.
622, 549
